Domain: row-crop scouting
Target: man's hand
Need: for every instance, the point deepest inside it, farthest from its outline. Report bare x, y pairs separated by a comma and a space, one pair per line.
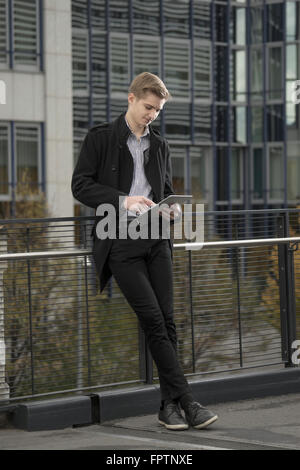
172, 212
137, 204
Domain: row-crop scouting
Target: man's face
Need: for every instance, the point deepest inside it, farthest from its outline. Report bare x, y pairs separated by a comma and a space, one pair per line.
144, 110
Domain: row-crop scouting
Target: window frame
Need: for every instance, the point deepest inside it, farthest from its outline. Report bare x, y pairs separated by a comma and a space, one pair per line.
12, 156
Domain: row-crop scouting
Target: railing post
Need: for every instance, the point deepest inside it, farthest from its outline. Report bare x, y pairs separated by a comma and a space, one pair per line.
292, 301
4, 388
287, 293
191, 309
30, 311
86, 286
238, 294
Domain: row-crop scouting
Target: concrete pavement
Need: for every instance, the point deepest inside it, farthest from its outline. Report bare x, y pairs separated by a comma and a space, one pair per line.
266, 423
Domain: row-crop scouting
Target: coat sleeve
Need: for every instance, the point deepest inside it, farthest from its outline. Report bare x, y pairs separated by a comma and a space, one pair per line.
168, 189
85, 185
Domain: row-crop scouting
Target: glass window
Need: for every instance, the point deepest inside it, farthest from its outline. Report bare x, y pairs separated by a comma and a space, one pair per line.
221, 23
275, 64
236, 173
293, 171
256, 68
238, 75
4, 188
177, 67
202, 71
291, 20
292, 64
221, 68
3, 32
201, 20
178, 158
119, 74
27, 155
238, 25
99, 109
98, 14
257, 173
146, 55
292, 74
276, 182
222, 124
146, 17
176, 18
81, 114
202, 123
119, 15
292, 120
256, 25
222, 174
118, 106
80, 55
239, 124
20, 34
198, 172
275, 22
257, 124
25, 32
99, 63
79, 14
275, 122
177, 120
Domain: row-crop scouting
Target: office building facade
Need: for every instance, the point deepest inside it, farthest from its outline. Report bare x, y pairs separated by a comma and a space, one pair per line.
231, 67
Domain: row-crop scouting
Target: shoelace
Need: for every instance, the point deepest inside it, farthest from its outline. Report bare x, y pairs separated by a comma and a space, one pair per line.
171, 407
194, 407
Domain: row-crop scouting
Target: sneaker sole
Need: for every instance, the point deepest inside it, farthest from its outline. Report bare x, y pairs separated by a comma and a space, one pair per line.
206, 423
174, 427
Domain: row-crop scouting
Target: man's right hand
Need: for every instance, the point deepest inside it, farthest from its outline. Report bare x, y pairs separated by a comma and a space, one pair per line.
137, 204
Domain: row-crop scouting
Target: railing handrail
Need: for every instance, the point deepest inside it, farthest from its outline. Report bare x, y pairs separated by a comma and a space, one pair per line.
187, 245
94, 217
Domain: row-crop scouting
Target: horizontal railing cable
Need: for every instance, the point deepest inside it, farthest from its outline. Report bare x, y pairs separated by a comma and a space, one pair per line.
187, 246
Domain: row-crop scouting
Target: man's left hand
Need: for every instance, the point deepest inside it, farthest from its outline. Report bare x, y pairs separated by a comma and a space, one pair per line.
172, 212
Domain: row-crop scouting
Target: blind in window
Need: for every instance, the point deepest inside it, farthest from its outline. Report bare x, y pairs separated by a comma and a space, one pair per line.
25, 32
80, 61
3, 32
27, 154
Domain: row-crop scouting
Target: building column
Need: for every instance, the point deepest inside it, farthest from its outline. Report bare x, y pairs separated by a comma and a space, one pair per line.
57, 42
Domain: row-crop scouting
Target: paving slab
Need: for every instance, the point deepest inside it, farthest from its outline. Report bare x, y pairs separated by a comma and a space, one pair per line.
271, 423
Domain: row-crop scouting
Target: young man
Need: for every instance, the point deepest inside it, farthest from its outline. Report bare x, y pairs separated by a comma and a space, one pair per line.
127, 164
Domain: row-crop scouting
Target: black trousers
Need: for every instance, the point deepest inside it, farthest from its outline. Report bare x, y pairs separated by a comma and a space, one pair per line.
143, 271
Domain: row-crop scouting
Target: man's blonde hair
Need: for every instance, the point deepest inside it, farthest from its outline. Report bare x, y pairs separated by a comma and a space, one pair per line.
145, 82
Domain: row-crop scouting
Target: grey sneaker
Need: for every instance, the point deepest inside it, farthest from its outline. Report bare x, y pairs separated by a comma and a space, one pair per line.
171, 417
199, 417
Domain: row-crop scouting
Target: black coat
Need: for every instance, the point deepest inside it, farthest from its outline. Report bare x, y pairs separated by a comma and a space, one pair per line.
104, 172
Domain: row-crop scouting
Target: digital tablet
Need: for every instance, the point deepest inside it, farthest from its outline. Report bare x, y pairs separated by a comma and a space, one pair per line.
176, 199
172, 199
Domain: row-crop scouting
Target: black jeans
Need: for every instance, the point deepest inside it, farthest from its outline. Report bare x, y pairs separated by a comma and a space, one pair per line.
143, 271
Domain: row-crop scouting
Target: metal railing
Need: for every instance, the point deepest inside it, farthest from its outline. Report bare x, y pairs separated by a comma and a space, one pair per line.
236, 304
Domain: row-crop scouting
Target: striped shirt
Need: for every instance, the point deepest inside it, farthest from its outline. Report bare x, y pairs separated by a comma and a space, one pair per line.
140, 185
